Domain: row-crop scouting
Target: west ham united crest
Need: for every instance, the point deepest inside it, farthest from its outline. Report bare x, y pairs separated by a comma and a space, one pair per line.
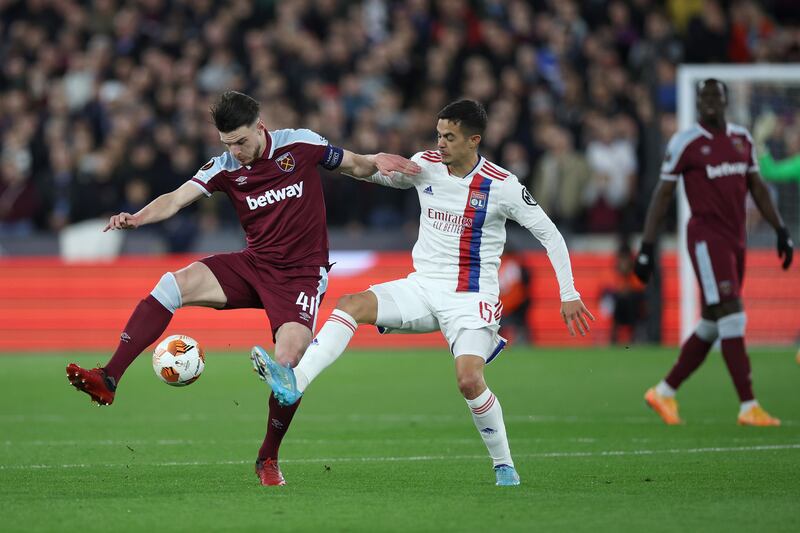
285, 162
477, 199
738, 144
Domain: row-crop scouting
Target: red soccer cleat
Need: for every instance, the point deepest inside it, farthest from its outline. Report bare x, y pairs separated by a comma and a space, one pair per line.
269, 473
93, 382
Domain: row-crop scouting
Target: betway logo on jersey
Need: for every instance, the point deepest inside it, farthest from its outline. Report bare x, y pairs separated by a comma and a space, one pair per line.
275, 195
726, 169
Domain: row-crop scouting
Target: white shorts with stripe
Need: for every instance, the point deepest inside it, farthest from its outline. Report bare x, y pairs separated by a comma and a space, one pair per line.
469, 321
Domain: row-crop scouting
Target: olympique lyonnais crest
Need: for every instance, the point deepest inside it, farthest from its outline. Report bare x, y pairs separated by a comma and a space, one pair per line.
477, 200
285, 162
738, 144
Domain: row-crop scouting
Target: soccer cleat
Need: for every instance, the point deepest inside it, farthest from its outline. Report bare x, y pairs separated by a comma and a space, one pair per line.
279, 378
94, 382
269, 473
757, 416
506, 476
666, 407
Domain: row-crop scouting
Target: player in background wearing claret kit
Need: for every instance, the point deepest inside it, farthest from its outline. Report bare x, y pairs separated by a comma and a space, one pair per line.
718, 164
272, 180
465, 201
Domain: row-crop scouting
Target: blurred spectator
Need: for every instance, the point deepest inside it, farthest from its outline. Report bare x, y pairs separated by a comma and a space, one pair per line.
625, 300
612, 164
514, 282
107, 95
750, 31
19, 199
707, 35
561, 175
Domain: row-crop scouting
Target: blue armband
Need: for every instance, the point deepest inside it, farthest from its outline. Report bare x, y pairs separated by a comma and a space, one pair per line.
332, 157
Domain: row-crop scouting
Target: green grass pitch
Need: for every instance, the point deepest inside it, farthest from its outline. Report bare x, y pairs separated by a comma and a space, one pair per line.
384, 442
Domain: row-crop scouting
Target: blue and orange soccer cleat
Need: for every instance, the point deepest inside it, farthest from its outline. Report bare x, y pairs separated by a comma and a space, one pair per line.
269, 473
279, 378
506, 476
94, 382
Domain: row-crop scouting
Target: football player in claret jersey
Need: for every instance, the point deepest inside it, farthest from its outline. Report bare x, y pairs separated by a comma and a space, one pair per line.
465, 201
717, 162
272, 180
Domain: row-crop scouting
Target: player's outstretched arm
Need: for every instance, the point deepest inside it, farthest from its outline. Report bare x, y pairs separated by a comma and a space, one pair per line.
520, 205
763, 200
159, 209
574, 314
364, 166
659, 203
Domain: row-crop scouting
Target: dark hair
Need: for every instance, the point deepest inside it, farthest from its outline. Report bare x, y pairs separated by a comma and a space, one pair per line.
468, 114
233, 110
703, 83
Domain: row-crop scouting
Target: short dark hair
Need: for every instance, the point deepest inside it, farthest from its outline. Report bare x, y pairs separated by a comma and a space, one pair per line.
703, 83
233, 110
468, 114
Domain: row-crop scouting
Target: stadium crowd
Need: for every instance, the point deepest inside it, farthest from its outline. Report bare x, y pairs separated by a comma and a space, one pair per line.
105, 104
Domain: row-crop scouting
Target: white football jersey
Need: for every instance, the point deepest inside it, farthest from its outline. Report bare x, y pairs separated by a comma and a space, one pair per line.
462, 225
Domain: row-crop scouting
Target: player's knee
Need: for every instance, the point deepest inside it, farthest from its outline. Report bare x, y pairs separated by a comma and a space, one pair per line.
168, 291
359, 306
471, 384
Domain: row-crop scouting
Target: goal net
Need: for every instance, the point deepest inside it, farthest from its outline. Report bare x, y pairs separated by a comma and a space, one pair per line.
766, 100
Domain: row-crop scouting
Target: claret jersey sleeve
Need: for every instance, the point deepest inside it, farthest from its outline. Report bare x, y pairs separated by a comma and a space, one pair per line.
518, 204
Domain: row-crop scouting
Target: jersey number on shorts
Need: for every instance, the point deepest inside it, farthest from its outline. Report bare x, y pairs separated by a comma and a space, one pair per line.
308, 304
489, 312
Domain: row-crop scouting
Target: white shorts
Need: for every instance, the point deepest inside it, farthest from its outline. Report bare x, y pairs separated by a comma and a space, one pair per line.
469, 321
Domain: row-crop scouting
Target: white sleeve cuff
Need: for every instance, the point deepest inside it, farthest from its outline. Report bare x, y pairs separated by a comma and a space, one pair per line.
200, 186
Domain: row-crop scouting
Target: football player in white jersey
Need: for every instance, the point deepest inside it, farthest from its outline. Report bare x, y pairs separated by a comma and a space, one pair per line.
465, 201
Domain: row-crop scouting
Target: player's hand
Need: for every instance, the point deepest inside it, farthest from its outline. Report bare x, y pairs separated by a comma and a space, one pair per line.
388, 163
643, 267
785, 247
575, 314
121, 221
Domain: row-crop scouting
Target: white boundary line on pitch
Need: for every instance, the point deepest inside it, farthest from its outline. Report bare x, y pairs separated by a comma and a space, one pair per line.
420, 458
752, 441
379, 418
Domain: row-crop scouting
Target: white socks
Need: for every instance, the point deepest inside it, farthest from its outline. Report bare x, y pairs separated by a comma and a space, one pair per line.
488, 417
746, 406
664, 389
326, 348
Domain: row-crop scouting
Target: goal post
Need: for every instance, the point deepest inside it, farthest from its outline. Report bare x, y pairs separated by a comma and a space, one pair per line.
781, 84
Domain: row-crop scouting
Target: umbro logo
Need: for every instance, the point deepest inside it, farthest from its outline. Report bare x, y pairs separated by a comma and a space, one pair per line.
241, 180
428, 190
